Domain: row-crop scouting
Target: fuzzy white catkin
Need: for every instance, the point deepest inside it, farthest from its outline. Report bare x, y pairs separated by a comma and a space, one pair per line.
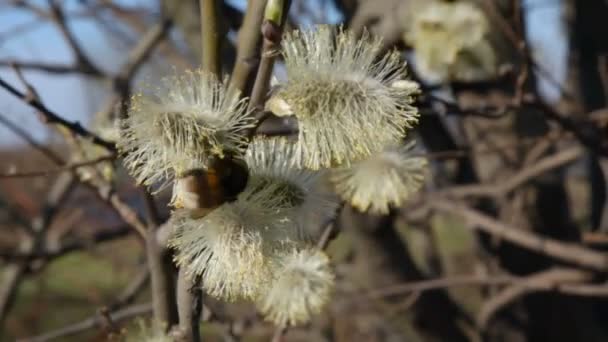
386, 179
301, 286
230, 247
190, 119
450, 41
340, 90
310, 205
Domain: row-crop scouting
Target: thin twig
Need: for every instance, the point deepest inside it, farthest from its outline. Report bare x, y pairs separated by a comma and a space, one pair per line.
503, 187
61, 189
68, 167
247, 55
569, 252
48, 253
210, 36
59, 20
137, 56
144, 48
52, 118
59, 69
436, 284
135, 287
21, 133
91, 323
542, 281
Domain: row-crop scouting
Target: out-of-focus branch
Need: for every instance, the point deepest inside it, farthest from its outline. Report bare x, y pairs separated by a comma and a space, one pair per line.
50, 252
585, 130
210, 36
50, 68
247, 49
52, 118
565, 251
39, 226
69, 167
503, 187
137, 56
144, 48
550, 280
441, 283
91, 323
135, 287
59, 19
21, 133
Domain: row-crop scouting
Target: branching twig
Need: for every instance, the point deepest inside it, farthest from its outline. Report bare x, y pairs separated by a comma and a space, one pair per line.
91, 323
59, 20
48, 253
47, 152
134, 288
69, 167
503, 187
441, 283
548, 280
52, 118
565, 251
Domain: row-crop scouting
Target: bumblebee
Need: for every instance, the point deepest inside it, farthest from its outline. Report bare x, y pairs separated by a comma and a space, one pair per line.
204, 190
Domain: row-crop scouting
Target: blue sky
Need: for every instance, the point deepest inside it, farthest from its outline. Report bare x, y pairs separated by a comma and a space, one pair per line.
77, 98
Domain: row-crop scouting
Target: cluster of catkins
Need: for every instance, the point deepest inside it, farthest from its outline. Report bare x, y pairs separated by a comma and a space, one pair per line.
353, 107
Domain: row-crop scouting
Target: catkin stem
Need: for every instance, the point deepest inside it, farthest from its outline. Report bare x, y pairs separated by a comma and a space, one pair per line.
210, 44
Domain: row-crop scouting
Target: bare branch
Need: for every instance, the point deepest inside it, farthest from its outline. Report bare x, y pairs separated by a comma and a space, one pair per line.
92, 323
436, 284
247, 56
50, 154
50, 68
542, 281
69, 167
565, 251
59, 20
52, 118
503, 187
210, 36
161, 290
189, 303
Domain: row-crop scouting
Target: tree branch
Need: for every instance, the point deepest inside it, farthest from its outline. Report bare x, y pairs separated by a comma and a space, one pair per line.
52, 118
565, 251
247, 49
90, 323
210, 36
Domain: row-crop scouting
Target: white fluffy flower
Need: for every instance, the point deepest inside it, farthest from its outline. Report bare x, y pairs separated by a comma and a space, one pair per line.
271, 161
230, 247
383, 180
301, 286
343, 96
450, 41
188, 121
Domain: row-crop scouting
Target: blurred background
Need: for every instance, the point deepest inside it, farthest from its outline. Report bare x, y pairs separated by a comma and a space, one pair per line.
506, 242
